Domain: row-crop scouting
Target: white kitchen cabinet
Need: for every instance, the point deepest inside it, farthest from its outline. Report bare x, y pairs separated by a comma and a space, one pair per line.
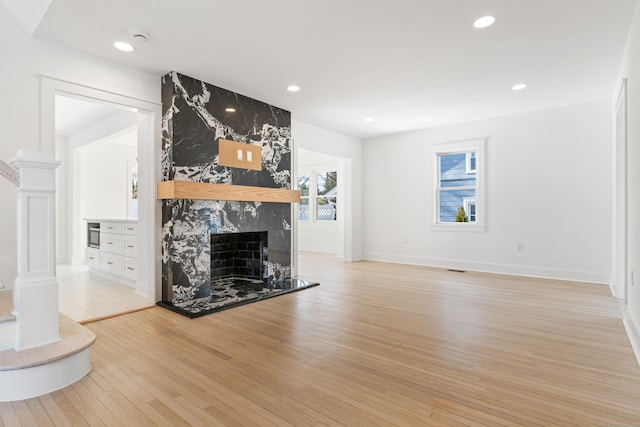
92, 257
116, 255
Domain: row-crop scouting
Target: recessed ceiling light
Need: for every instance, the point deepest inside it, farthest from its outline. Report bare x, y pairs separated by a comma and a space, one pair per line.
230, 110
293, 88
484, 22
519, 86
369, 119
123, 46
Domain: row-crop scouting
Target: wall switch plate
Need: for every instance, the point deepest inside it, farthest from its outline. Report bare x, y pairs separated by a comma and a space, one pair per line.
519, 246
239, 155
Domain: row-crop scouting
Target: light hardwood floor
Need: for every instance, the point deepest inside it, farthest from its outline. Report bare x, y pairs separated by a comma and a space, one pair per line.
84, 296
374, 344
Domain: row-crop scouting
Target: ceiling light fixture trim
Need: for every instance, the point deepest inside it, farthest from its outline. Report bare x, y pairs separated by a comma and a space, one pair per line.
484, 22
123, 46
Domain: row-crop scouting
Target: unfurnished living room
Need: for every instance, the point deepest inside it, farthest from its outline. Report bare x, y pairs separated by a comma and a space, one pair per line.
411, 213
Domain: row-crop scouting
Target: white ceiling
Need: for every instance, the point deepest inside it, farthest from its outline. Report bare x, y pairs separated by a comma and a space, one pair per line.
410, 64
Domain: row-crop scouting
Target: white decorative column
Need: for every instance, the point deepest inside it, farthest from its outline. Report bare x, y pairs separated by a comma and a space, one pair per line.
35, 294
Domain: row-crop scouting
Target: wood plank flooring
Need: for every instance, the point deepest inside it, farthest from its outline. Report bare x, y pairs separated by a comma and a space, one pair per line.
374, 344
84, 296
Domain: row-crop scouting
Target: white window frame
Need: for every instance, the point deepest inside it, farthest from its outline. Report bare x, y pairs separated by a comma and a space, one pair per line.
455, 148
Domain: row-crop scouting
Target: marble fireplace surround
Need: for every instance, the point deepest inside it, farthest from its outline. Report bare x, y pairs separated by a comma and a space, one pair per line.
222, 172
226, 192
236, 289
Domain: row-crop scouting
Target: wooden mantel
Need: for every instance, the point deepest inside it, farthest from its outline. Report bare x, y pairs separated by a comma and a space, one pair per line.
240, 193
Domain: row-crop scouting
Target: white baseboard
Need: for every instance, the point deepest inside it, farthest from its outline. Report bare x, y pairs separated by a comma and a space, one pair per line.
514, 270
632, 326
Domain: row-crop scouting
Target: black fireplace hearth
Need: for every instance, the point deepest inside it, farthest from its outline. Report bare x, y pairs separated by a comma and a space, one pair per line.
234, 292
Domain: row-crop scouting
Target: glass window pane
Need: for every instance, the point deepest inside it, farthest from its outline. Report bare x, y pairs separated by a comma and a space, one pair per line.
453, 171
451, 200
327, 183
303, 185
303, 209
326, 209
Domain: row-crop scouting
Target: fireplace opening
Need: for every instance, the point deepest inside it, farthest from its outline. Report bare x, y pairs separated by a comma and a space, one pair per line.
239, 256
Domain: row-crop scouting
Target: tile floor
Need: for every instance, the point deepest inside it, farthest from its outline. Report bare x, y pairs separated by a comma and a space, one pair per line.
84, 296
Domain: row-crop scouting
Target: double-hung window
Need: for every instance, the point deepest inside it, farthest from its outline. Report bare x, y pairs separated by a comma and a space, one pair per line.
318, 196
459, 186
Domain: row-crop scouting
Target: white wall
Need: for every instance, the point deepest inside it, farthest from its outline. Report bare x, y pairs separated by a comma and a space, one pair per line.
26, 58
321, 140
103, 179
69, 232
548, 184
631, 70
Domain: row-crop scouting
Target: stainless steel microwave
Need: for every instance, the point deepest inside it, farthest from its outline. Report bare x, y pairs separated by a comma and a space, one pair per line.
93, 236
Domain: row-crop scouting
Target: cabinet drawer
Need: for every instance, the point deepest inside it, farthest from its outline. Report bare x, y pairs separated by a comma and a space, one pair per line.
111, 263
130, 246
130, 268
92, 257
130, 228
111, 227
111, 243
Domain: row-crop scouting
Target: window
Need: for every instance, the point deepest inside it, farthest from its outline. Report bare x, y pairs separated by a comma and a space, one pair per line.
303, 207
318, 196
326, 202
459, 186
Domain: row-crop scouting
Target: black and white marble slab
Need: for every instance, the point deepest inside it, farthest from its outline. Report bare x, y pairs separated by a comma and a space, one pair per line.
233, 292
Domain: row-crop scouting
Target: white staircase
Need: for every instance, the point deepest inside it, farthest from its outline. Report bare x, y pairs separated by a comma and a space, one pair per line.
7, 322
40, 349
7, 318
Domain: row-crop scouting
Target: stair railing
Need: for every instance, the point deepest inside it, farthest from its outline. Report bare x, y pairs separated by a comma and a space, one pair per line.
9, 173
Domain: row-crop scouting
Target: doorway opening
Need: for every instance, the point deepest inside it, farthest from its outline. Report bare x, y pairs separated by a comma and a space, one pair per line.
116, 124
97, 146
321, 214
620, 248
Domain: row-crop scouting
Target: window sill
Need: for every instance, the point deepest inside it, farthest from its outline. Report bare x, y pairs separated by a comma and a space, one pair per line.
465, 227
317, 223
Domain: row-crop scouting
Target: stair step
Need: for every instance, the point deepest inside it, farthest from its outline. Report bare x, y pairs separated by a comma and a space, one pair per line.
74, 338
7, 317
6, 305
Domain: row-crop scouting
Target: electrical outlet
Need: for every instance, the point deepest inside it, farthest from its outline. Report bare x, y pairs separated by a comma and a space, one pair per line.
519, 246
1, 285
